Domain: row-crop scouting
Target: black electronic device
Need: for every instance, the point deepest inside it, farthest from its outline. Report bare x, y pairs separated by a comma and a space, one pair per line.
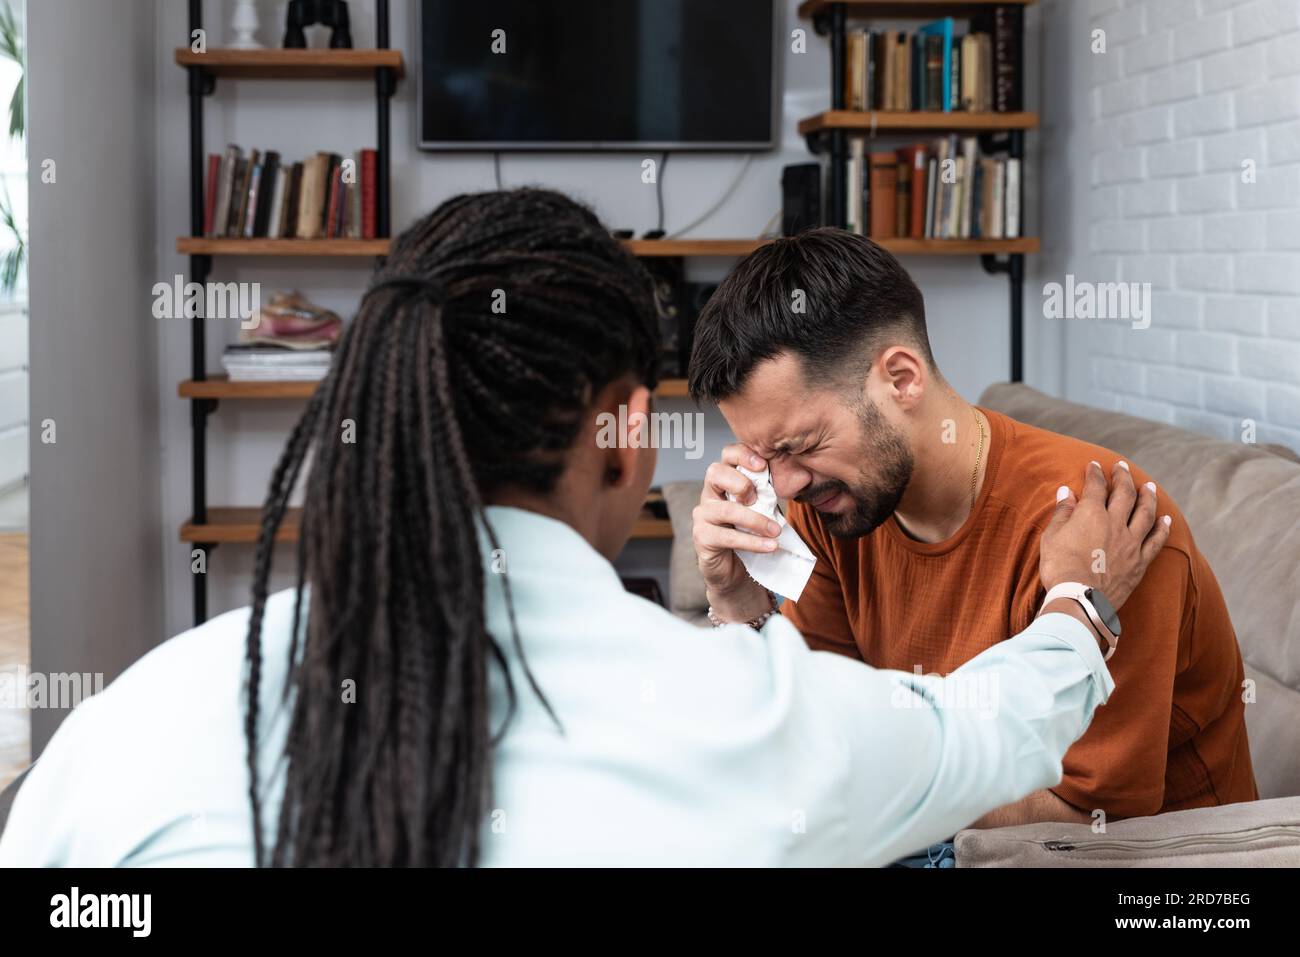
598, 74
305, 13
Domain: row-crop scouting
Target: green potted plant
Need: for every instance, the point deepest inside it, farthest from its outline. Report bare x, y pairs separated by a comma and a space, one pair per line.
11, 48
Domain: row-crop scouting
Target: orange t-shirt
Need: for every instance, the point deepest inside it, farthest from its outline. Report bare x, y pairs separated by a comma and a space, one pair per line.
1173, 734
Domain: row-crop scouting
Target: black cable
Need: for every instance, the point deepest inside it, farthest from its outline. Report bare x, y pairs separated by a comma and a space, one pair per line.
659, 191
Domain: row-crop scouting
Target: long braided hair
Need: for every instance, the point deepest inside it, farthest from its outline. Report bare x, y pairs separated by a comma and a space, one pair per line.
469, 367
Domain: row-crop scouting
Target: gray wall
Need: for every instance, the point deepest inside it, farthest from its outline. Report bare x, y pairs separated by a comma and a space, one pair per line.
95, 556
1147, 187
1065, 168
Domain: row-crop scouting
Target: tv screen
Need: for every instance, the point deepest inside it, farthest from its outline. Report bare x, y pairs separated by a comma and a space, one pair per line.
597, 74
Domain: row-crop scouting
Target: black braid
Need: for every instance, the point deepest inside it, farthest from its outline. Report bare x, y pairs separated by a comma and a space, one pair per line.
451, 401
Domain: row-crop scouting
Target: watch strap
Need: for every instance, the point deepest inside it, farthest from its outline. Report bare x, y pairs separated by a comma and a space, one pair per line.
1079, 593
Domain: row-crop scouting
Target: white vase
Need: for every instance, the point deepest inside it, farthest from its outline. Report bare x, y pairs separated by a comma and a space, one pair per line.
244, 25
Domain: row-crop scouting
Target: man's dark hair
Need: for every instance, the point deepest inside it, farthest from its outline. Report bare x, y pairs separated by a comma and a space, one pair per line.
856, 297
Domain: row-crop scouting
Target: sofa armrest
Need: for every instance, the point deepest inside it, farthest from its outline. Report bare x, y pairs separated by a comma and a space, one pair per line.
1251, 834
686, 598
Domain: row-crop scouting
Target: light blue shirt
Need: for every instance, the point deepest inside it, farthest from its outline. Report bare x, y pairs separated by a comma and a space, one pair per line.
679, 746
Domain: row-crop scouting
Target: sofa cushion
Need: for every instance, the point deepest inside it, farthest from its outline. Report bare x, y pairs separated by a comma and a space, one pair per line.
1254, 834
686, 597
1273, 724
1243, 505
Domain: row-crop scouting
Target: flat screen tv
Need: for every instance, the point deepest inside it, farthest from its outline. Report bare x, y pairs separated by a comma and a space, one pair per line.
597, 74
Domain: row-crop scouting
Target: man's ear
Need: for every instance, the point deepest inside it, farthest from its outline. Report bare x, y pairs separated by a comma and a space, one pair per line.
904, 375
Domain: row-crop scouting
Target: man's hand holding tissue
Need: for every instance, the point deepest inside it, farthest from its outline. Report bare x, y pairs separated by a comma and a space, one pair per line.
722, 526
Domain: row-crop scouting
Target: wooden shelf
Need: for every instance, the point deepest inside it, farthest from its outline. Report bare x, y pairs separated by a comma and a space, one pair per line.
905, 8
729, 248
648, 527
272, 64
960, 247
693, 247
220, 387
885, 121
240, 526
899, 247
197, 246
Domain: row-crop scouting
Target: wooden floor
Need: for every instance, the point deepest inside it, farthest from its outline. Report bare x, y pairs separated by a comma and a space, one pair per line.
15, 728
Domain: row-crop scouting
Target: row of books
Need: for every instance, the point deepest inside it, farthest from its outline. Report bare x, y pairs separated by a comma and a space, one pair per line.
943, 190
258, 196
935, 69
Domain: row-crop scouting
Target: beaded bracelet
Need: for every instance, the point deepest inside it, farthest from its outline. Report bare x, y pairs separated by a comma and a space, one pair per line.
755, 623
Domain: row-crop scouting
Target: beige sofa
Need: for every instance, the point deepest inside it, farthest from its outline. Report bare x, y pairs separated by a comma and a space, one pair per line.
1243, 503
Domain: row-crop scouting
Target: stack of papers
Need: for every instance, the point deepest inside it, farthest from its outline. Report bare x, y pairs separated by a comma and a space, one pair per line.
273, 363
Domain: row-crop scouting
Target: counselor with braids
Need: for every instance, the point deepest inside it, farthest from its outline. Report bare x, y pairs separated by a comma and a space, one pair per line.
459, 677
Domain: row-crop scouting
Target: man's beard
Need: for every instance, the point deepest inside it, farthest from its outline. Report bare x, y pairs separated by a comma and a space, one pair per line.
874, 498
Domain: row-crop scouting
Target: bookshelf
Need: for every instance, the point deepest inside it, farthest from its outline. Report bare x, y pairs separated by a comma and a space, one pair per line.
209, 527
830, 130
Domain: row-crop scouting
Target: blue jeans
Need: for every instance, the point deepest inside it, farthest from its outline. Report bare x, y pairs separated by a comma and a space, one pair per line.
936, 855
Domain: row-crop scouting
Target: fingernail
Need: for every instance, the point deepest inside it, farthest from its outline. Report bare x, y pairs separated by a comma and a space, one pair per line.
1167, 520
1063, 493
770, 546
756, 462
773, 528
1122, 464
1096, 463
1151, 486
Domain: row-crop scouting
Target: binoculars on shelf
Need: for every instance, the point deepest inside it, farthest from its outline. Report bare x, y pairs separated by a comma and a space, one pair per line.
306, 13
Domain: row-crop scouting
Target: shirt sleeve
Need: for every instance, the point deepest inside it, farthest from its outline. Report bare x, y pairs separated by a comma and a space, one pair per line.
1119, 765
43, 823
926, 755
820, 615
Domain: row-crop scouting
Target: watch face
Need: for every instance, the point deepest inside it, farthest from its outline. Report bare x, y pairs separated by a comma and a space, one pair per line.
1105, 609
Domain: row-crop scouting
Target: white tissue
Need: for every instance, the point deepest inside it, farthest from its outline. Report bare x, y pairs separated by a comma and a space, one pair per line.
786, 570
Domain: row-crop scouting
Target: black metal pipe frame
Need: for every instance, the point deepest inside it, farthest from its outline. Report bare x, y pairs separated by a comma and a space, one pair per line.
839, 142
1014, 267
199, 268
1016, 270
385, 83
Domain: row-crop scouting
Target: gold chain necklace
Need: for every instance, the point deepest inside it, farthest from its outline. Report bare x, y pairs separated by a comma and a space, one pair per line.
979, 458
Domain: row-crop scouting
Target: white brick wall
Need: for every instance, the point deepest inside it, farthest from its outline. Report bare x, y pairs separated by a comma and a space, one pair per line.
1186, 91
